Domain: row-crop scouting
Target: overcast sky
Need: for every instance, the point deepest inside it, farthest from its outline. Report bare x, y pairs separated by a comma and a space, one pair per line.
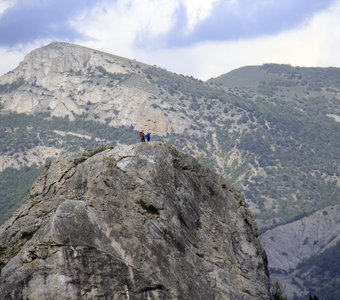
202, 38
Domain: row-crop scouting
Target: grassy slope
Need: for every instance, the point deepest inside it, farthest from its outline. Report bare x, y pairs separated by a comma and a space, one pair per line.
321, 273
14, 187
297, 147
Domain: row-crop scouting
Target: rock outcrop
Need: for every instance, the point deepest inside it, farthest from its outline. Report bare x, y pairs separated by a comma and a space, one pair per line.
134, 222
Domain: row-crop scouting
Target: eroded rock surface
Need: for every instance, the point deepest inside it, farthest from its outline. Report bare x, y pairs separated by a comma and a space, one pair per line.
134, 222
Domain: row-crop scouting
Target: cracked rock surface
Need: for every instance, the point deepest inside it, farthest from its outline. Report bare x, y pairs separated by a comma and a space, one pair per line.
135, 222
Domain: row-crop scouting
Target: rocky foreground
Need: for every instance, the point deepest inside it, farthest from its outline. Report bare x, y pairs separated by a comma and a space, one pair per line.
134, 222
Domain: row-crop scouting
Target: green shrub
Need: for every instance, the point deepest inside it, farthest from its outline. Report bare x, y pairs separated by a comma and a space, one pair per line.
149, 207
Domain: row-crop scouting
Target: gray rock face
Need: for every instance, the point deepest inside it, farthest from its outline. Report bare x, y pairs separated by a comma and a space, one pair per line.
134, 222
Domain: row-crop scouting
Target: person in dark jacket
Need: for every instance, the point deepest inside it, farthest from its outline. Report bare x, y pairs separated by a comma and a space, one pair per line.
148, 136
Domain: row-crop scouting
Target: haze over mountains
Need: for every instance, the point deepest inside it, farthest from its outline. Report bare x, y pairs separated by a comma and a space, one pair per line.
272, 130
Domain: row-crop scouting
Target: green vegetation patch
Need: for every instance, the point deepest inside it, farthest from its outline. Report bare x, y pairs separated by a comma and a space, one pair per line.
150, 208
10, 87
321, 273
28, 234
21, 132
14, 188
2, 250
113, 76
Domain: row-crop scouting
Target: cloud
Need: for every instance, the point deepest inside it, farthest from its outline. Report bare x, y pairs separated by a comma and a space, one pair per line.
26, 21
5, 4
124, 26
197, 11
192, 37
9, 59
316, 43
238, 19
142, 30
151, 23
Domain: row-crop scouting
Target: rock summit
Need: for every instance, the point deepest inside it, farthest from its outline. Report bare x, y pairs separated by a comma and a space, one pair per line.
143, 221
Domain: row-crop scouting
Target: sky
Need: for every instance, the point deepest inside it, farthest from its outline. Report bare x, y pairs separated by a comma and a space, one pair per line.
200, 38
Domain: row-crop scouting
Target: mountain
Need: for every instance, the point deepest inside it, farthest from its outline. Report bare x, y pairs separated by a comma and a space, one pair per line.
305, 253
271, 130
275, 138
69, 80
134, 222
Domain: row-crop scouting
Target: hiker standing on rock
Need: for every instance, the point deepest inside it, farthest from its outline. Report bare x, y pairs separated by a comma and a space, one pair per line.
148, 136
142, 136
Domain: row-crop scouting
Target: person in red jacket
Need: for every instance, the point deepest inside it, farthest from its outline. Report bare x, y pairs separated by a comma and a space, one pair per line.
142, 136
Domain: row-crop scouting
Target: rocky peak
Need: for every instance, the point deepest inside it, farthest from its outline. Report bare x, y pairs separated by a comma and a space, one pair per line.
133, 222
67, 80
60, 57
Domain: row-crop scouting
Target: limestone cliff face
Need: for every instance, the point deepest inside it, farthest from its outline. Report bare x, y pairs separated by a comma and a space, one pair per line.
69, 80
134, 222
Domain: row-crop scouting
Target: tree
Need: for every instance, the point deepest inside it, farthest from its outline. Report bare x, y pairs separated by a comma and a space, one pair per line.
277, 293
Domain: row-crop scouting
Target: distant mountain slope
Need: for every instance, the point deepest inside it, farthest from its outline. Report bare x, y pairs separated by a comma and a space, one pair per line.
255, 76
249, 76
295, 249
298, 141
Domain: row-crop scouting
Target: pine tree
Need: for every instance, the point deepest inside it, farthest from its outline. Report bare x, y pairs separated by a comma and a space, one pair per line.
277, 293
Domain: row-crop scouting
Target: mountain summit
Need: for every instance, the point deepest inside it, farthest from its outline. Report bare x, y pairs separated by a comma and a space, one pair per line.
134, 222
69, 80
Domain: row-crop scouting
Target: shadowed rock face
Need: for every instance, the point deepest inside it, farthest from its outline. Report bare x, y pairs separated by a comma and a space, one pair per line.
133, 222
